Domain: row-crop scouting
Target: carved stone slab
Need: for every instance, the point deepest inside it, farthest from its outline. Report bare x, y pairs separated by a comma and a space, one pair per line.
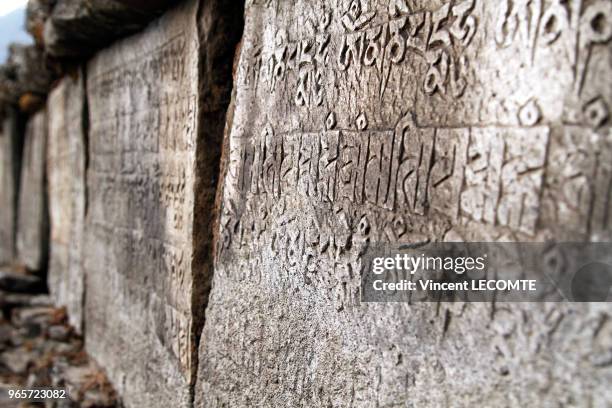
33, 216
405, 121
157, 105
10, 167
66, 179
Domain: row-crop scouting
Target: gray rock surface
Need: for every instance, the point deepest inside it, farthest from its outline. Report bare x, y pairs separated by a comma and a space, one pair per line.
10, 165
157, 102
67, 194
357, 122
78, 28
33, 216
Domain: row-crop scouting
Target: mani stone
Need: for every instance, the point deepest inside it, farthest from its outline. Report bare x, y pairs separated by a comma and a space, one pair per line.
157, 105
356, 123
66, 181
10, 165
78, 28
32, 217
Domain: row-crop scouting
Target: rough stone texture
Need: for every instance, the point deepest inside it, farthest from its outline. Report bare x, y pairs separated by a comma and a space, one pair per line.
66, 174
33, 217
78, 28
10, 156
405, 121
157, 104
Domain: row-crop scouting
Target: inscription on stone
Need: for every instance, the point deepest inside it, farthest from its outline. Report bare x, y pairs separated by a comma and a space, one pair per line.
142, 95
405, 121
157, 102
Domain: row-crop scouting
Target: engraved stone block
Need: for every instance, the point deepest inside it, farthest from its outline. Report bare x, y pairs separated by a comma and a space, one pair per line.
33, 216
157, 103
66, 180
405, 121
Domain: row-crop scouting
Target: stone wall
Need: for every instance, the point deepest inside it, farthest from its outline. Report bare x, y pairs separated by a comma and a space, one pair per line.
143, 100
10, 167
66, 159
156, 106
178, 158
33, 216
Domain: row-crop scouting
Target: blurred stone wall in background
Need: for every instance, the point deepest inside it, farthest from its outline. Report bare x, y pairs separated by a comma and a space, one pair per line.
10, 168
66, 161
32, 215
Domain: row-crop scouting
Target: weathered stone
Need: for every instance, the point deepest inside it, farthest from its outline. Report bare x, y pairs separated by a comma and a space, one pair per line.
17, 360
66, 175
10, 162
361, 122
157, 104
58, 332
33, 217
79, 28
85, 384
41, 315
9, 301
